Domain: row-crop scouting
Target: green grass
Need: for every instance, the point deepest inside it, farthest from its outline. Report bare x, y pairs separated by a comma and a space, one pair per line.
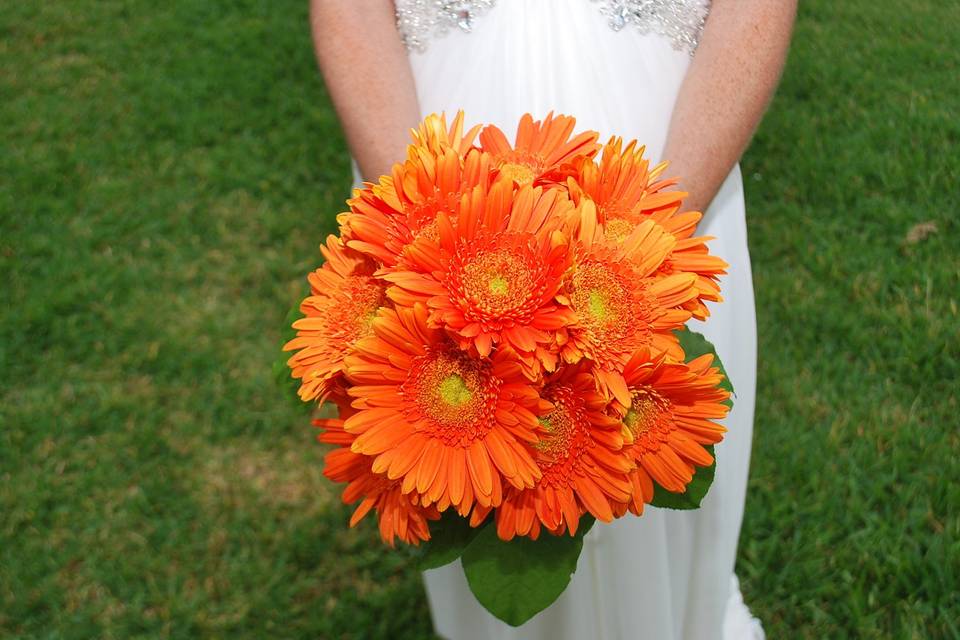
166, 173
853, 516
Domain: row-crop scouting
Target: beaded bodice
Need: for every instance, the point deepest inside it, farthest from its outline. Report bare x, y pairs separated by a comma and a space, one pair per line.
679, 20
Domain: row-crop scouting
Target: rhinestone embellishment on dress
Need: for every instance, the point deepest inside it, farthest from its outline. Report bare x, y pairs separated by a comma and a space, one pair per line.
420, 20
679, 20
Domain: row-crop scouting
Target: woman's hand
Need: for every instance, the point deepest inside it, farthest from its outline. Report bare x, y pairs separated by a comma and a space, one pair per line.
725, 92
367, 74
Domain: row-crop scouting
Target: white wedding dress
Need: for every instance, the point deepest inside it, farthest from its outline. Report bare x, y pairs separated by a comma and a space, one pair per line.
617, 67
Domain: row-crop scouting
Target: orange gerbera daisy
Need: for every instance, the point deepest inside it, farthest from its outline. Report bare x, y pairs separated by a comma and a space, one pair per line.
399, 515
493, 275
434, 135
671, 414
450, 427
385, 219
344, 298
581, 459
621, 302
691, 255
623, 187
626, 192
541, 148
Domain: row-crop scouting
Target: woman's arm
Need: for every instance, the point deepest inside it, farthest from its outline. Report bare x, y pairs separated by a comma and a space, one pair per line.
727, 87
368, 77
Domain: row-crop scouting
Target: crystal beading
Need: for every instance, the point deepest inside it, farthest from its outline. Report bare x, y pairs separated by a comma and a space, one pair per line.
681, 21
420, 20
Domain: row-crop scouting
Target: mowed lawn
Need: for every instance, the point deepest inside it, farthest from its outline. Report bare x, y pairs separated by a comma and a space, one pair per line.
167, 171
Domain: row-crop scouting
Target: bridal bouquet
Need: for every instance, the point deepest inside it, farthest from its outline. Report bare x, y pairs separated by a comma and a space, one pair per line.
501, 328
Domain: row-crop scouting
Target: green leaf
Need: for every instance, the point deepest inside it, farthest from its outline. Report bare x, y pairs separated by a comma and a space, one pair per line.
518, 579
694, 345
695, 493
449, 536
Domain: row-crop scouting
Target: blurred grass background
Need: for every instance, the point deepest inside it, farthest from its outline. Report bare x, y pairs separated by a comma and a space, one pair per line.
167, 171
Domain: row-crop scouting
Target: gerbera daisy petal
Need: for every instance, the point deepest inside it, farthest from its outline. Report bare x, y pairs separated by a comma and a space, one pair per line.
400, 516
671, 416
580, 472
336, 318
447, 442
480, 471
540, 150
496, 327
499, 274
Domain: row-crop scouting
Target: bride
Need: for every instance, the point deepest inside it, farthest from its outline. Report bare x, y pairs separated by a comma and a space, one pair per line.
690, 80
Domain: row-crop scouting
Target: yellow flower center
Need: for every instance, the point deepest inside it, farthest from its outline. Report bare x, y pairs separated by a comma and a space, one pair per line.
600, 299
429, 231
497, 283
366, 322
615, 310
560, 431
617, 230
598, 305
646, 411
566, 439
454, 391
519, 173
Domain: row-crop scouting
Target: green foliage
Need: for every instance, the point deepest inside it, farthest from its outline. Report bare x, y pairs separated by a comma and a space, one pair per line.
514, 580
168, 170
518, 579
449, 536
